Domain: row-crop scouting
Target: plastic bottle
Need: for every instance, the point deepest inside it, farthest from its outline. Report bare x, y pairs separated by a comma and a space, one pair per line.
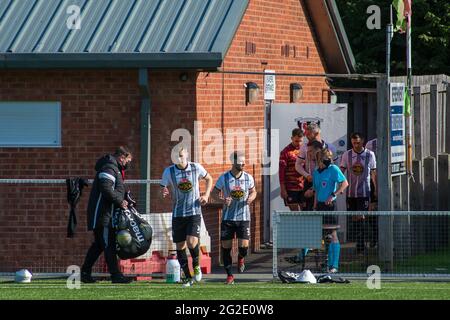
173, 269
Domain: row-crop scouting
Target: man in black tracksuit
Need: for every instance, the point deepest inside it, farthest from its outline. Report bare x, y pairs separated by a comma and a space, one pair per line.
108, 193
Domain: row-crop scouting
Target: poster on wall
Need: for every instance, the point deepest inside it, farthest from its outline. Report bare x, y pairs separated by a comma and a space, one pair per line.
285, 117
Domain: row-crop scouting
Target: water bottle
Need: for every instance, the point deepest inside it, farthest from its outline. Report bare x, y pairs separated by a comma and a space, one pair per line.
173, 269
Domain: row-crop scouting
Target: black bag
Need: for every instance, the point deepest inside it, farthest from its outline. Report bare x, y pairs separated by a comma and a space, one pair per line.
326, 278
133, 233
293, 277
287, 277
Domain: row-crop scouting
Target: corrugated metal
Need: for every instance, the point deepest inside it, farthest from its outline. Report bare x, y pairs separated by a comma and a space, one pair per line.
119, 26
119, 14
137, 25
55, 35
35, 26
4, 4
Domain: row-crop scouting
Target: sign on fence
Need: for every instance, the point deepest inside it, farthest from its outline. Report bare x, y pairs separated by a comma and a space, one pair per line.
398, 146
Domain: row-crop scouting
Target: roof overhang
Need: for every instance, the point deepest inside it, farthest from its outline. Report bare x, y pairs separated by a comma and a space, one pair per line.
198, 61
331, 35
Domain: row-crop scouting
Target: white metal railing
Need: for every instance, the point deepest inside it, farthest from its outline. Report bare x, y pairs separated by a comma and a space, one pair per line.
409, 244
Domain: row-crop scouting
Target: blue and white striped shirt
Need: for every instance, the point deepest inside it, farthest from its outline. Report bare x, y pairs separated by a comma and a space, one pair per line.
185, 188
238, 189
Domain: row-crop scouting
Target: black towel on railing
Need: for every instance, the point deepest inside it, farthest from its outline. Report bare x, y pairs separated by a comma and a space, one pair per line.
74, 190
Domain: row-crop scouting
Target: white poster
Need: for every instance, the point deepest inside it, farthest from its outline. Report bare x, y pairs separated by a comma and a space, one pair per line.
285, 117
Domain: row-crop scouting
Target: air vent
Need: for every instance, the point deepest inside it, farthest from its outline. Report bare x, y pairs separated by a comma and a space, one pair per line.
285, 50
250, 48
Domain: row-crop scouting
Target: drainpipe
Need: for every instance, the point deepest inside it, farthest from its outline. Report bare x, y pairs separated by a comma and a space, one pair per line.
145, 159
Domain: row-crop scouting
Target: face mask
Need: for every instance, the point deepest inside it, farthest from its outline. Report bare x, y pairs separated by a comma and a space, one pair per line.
127, 165
326, 162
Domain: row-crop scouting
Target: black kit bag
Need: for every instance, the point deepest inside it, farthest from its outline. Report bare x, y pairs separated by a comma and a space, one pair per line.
133, 233
326, 278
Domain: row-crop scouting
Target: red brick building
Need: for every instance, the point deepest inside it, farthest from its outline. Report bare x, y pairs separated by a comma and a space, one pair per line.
132, 74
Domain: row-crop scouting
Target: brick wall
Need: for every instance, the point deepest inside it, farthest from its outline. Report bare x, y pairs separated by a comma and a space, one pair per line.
100, 110
172, 107
267, 26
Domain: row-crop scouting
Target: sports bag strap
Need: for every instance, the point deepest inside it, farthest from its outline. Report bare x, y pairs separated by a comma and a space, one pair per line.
113, 220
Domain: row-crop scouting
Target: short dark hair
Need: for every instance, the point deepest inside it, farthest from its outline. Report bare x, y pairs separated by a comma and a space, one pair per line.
356, 135
297, 132
122, 151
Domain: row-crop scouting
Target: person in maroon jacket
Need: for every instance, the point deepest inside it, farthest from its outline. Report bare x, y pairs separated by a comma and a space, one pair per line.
291, 182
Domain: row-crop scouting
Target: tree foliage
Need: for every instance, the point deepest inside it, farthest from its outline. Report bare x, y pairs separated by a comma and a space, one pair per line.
430, 37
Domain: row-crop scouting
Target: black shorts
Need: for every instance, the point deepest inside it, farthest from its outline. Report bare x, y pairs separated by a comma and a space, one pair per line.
373, 198
307, 185
229, 228
327, 219
294, 197
186, 226
357, 204
308, 203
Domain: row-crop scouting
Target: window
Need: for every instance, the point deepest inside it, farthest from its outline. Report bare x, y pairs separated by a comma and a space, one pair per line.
30, 124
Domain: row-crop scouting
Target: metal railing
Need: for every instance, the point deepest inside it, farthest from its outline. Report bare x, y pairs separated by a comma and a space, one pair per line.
401, 244
33, 225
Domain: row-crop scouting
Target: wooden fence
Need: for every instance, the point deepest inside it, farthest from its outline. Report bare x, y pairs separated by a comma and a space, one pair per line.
430, 187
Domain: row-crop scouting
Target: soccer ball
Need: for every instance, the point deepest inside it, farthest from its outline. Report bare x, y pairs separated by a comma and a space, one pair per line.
122, 222
23, 276
123, 238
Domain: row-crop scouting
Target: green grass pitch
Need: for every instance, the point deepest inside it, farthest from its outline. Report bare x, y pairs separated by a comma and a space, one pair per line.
213, 290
